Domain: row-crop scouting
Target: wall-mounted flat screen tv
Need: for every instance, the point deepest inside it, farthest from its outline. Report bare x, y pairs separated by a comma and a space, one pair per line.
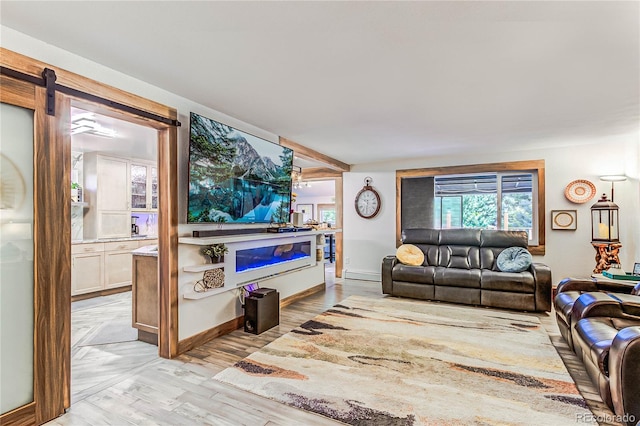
235, 177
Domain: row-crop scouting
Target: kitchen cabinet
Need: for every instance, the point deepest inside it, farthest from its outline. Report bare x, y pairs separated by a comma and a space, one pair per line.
144, 299
102, 266
144, 186
87, 268
106, 189
117, 263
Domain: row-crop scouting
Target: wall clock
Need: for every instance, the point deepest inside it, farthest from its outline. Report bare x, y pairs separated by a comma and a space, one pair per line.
368, 200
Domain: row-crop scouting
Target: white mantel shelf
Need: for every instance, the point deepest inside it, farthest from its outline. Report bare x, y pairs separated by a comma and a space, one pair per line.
195, 295
203, 267
253, 237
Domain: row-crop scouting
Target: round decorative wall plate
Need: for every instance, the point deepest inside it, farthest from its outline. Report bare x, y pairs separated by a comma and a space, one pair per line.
580, 191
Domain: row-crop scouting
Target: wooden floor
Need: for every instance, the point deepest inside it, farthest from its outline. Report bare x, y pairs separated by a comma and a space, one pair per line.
126, 383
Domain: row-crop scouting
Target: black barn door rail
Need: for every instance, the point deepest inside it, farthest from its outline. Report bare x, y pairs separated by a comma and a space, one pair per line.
48, 80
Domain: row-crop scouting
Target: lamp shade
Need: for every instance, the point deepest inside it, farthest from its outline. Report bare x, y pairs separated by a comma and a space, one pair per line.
604, 221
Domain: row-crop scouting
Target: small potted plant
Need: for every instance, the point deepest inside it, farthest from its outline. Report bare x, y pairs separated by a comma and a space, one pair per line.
215, 251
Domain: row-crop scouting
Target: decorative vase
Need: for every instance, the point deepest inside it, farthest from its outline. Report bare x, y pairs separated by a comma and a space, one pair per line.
216, 259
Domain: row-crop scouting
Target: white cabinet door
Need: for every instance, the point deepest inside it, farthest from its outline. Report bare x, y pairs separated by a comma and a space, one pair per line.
87, 273
114, 224
153, 188
113, 184
106, 185
118, 263
117, 269
144, 186
139, 188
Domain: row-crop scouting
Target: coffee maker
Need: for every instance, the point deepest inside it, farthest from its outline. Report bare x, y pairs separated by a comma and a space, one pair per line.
134, 228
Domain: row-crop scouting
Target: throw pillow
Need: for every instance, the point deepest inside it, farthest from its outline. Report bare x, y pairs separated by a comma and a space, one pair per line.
514, 259
410, 255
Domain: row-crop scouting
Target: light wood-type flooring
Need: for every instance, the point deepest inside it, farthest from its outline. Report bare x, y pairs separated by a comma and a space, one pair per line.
126, 383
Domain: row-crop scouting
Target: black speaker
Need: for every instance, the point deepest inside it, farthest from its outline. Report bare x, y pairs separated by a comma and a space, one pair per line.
261, 310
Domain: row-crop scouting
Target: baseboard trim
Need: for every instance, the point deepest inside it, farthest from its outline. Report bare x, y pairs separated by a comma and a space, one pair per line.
210, 334
101, 293
362, 275
301, 295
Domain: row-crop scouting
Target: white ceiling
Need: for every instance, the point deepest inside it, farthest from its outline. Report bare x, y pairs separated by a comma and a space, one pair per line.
373, 81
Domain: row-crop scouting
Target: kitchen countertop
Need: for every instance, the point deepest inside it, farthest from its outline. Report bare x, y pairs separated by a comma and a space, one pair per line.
151, 250
111, 240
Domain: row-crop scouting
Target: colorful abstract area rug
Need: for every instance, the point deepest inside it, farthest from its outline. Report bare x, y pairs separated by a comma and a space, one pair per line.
395, 361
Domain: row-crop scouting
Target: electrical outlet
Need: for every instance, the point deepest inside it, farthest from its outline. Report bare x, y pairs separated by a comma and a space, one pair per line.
347, 260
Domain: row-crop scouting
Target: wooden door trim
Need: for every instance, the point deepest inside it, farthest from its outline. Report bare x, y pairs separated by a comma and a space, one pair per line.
52, 257
168, 245
24, 415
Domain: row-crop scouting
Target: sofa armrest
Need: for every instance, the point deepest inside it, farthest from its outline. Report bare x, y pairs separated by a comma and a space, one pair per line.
624, 370
542, 278
577, 284
387, 281
596, 304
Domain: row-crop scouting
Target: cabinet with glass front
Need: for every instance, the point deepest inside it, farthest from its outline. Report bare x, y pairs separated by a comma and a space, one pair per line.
144, 186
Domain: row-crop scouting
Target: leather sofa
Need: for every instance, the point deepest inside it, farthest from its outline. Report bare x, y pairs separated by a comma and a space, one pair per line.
569, 290
604, 330
460, 266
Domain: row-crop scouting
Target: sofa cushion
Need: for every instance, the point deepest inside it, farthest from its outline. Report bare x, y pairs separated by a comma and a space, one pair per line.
516, 282
454, 277
460, 257
501, 238
420, 236
430, 254
514, 259
630, 303
415, 274
410, 255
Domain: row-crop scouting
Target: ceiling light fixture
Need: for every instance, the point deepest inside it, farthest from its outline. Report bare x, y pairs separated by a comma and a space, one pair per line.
86, 123
296, 177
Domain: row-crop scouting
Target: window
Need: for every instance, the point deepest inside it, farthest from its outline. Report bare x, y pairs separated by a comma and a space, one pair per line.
327, 213
487, 201
489, 196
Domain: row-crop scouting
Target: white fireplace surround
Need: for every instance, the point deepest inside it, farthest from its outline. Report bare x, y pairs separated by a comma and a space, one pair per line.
238, 242
252, 275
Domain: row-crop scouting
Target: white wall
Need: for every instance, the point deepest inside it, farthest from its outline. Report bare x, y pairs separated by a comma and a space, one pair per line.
568, 253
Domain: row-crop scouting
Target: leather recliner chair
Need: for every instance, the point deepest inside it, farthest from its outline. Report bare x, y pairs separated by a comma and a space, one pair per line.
605, 331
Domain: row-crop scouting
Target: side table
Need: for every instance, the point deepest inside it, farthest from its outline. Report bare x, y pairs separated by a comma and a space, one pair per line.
606, 254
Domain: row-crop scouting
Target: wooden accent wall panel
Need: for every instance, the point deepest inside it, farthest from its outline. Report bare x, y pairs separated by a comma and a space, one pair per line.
311, 173
309, 153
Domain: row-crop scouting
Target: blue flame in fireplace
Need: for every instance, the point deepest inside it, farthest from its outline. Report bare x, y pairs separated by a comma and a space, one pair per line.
260, 257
